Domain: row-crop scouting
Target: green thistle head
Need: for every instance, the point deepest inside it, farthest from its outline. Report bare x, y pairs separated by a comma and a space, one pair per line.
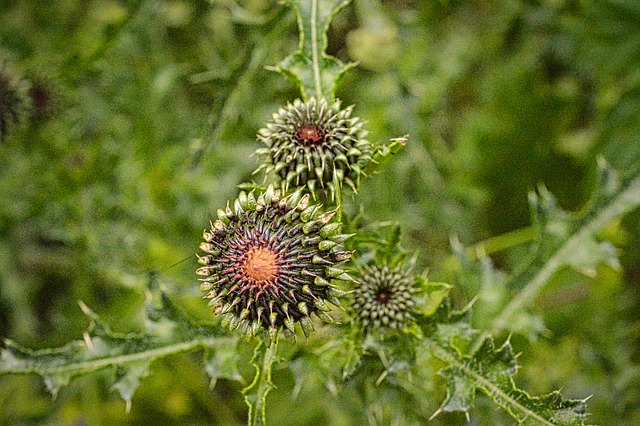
385, 298
14, 99
270, 263
316, 145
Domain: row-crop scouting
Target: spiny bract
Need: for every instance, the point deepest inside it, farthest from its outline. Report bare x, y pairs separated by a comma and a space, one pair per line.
316, 145
271, 262
14, 100
385, 297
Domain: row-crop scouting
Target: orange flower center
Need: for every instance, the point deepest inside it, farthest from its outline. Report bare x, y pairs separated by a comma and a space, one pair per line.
260, 265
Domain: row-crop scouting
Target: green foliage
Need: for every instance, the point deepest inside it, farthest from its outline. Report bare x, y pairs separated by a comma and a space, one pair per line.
153, 120
317, 73
562, 240
491, 370
167, 332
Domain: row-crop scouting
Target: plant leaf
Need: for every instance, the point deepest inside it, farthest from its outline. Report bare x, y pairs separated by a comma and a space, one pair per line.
221, 361
384, 154
491, 370
128, 379
167, 333
316, 73
567, 240
354, 352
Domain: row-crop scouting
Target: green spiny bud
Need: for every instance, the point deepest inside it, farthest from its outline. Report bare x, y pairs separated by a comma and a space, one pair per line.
385, 298
315, 144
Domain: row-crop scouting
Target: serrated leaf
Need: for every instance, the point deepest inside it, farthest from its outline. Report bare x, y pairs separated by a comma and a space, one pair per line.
491, 371
492, 294
221, 361
128, 379
436, 292
316, 73
383, 154
55, 381
565, 240
167, 333
354, 348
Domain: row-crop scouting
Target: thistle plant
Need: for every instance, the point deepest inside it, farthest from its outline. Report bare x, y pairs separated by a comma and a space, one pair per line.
385, 297
270, 263
315, 145
295, 254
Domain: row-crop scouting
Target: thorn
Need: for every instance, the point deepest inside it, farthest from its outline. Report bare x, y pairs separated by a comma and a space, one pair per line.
85, 309
433, 416
383, 376
87, 339
212, 383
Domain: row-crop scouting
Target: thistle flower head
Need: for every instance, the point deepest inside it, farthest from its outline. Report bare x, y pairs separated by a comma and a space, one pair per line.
315, 144
270, 263
385, 298
14, 101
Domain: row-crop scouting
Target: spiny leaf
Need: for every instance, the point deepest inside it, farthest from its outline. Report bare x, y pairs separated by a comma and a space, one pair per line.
167, 333
492, 294
354, 352
255, 395
491, 370
384, 154
436, 293
221, 361
128, 379
316, 73
567, 240
612, 200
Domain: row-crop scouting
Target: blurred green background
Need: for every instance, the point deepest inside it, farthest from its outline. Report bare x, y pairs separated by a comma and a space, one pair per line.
153, 110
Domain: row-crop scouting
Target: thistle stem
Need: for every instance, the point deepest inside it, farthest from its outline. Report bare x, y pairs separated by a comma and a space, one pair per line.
500, 242
256, 393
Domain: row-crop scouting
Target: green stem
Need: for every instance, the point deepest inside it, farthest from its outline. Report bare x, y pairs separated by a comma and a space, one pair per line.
500, 243
315, 50
256, 393
626, 200
82, 367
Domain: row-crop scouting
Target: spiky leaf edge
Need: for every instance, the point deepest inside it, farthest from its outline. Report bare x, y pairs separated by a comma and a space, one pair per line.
167, 333
466, 374
613, 198
255, 395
